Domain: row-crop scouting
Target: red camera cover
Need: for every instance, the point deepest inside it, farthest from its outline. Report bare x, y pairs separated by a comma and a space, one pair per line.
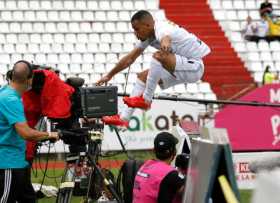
53, 102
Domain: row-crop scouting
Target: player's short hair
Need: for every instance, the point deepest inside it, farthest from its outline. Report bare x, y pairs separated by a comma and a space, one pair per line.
140, 15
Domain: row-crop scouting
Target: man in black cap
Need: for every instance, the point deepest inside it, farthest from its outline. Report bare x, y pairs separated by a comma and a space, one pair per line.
157, 180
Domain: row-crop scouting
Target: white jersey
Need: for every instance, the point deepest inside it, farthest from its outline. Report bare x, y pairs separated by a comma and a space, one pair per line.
183, 43
262, 28
250, 29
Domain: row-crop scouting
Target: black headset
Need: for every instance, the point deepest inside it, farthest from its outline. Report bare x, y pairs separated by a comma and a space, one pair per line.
182, 160
10, 73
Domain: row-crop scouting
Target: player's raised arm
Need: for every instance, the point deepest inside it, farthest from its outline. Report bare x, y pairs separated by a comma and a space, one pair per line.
125, 62
165, 44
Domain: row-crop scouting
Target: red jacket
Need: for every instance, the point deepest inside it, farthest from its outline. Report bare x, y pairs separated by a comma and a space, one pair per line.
53, 102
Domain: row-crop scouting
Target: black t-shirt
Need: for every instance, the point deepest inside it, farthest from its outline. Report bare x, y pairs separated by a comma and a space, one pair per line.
171, 183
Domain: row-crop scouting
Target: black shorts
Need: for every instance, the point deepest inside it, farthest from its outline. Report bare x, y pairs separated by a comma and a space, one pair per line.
15, 185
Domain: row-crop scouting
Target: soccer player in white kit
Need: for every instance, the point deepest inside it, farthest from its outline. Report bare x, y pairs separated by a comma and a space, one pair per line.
178, 60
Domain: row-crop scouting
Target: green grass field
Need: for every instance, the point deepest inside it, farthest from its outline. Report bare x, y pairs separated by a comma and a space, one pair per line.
53, 177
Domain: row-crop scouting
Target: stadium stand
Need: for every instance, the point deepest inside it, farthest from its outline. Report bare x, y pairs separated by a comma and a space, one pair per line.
224, 69
79, 37
232, 15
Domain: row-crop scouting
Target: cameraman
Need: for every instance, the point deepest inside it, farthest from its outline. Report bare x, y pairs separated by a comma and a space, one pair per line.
157, 180
14, 180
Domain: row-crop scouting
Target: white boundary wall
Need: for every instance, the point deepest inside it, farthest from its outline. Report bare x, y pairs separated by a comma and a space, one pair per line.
246, 179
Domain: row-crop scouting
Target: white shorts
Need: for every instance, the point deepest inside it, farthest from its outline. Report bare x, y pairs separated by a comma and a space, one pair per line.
186, 71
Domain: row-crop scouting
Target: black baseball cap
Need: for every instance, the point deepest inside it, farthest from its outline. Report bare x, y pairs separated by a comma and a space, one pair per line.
165, 141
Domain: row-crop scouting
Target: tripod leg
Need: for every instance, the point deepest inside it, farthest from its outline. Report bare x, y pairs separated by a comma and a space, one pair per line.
121, 143
68, 196
107, 182
66, 188
64, 195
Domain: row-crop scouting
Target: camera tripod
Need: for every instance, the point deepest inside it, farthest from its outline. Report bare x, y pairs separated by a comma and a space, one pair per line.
83, 176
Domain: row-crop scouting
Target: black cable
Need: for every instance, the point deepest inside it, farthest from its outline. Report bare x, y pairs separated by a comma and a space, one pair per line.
54, 170
39, 159
55, 177
34, 170
44, 171
46, 168
40, 166
37, 149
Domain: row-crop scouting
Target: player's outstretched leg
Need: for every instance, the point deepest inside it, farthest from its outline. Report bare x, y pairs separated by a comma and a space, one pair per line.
153, 78
123, 118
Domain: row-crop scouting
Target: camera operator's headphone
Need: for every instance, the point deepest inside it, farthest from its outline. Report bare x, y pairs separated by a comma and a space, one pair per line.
10, 73
182, 160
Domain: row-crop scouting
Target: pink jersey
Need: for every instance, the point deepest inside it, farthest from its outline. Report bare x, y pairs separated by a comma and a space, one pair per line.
148, 179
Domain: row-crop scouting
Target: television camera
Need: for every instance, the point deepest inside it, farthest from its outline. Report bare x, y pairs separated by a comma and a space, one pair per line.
88, 105
82, 131
84, 137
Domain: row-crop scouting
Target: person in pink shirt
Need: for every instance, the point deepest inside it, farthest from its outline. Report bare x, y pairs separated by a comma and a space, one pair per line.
157, 181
